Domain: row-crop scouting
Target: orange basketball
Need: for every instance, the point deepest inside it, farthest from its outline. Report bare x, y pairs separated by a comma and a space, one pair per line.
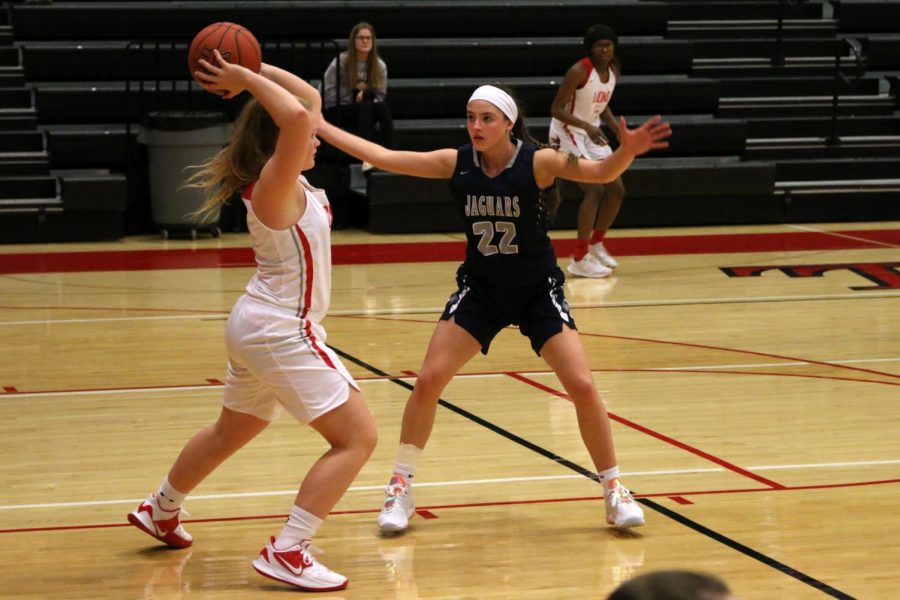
236, 44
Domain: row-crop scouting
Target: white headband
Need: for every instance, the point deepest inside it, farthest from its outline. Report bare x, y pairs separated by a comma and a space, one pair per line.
498, 98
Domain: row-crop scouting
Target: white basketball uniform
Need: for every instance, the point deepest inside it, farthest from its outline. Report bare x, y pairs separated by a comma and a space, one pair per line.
587, 103
277, 357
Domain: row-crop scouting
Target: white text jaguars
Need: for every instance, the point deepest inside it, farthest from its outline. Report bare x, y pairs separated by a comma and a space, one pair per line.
494, 206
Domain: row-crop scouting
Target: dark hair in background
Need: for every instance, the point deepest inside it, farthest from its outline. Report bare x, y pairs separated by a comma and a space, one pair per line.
672, 585
601, 32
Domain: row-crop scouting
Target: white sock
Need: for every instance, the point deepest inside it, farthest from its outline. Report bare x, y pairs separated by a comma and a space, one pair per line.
168, 498
407, 457
300, 526
606, 475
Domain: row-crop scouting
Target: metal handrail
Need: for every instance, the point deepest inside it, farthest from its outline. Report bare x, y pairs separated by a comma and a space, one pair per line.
157, 77
859, 62
778, 55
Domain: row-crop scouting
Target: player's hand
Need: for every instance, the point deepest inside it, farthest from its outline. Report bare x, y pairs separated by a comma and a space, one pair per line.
652, 135
221, 77
596, 135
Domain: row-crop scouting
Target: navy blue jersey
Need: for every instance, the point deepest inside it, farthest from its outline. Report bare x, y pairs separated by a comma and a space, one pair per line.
506, 222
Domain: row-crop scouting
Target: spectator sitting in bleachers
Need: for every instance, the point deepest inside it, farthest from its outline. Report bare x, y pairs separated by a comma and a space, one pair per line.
357, 101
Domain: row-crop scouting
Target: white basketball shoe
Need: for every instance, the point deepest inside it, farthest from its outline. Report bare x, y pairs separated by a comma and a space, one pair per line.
398, 506
589, 266
599, 252
622, 511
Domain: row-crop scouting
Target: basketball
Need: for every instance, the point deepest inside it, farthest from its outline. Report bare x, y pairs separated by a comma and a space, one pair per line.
235, 43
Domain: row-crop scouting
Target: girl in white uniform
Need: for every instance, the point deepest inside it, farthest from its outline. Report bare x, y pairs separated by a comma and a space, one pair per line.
581, 102
277, 357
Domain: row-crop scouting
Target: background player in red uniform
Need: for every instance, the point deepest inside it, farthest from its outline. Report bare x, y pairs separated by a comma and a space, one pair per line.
581, 102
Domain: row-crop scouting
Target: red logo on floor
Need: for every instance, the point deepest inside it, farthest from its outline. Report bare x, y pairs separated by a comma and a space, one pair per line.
884, 275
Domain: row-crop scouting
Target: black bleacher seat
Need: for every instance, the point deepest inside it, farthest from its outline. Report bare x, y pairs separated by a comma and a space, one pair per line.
867, 15
745, 46
795, 86
315, 19
107, 60
660, 192
753, 28
90, 145
692, 134
521, 56
883, 51
23, 153
800, 106
802, 169
894, 85
798, 127
672, 94
104, 101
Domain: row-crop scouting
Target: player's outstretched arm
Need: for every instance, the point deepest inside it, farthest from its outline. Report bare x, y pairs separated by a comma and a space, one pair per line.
437, 164
652, 135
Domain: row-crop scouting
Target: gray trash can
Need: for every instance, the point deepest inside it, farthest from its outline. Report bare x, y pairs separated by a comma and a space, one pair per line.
176, 140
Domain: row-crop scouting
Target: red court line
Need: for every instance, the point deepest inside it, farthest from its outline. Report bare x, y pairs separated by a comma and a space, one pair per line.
740, 351
476, 505
787, 488
685, 344
211, 383
106, 309
756, 373
408, 252
10, 390
660, 436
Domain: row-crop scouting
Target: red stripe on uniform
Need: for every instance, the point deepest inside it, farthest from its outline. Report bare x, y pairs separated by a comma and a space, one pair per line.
588, 67
308, 264
307, 296
248, 190
312, 340
571, 135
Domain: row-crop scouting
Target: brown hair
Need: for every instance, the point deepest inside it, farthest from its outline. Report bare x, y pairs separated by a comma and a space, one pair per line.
240, 162
549, 200
348, 60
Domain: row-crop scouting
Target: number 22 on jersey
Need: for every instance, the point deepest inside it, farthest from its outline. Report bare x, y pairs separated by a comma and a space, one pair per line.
487, 229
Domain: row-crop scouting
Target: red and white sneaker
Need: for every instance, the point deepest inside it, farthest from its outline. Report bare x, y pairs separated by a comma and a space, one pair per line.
622, 511
162, 524
297, 567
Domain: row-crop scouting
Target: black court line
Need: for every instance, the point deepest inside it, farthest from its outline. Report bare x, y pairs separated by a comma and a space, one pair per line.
714, 535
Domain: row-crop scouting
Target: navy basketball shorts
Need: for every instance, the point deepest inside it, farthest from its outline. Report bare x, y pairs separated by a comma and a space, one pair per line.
540, 311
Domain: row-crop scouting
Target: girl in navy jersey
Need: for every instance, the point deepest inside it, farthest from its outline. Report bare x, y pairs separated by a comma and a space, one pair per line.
502, 183
581, 102
277, 357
